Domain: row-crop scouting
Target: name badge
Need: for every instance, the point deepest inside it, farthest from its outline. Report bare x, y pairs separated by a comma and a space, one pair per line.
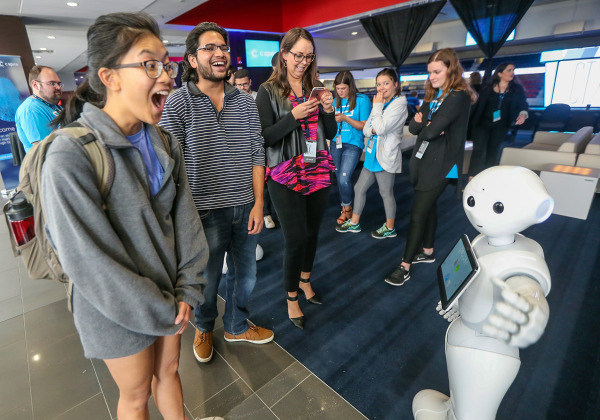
310, 156
370, 145
422, 149
338, 142
496, 116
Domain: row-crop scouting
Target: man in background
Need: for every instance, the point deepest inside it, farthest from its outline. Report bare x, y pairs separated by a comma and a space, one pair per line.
34, 115
242, 81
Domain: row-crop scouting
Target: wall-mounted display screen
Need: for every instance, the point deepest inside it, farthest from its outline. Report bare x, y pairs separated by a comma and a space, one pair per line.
259, 53
573, 82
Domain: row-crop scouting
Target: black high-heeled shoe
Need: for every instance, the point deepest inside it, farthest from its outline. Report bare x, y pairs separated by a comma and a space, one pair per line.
299, 320
316, 300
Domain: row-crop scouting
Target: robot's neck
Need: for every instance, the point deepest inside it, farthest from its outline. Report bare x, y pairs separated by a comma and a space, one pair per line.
501, 240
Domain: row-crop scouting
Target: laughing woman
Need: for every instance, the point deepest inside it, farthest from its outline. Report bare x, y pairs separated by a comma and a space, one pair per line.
135, 256
295, 129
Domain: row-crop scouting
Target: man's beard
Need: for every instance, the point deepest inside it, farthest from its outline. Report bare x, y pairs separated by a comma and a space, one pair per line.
54, 100
207, 74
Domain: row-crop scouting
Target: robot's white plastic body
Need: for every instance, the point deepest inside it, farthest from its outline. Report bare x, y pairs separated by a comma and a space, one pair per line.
505, 307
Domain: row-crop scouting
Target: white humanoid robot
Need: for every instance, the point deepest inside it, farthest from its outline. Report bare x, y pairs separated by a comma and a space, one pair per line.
504, 308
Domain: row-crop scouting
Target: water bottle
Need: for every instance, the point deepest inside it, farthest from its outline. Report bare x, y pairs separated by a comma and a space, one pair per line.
20, 219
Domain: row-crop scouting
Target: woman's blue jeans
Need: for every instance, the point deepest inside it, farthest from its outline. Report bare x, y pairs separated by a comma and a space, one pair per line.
345, 160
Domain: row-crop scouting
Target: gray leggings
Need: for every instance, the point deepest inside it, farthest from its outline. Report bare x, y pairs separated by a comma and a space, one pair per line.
385, 182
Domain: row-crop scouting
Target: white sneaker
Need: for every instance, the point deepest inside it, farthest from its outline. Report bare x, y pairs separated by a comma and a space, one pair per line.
269, 223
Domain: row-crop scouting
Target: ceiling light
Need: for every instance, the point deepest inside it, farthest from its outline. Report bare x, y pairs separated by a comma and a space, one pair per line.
38, 56
51, 37
165, 41
72, 4
43, 49
354, 33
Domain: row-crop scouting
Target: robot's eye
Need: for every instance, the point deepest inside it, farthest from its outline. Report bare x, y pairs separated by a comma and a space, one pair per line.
471, 201
498, 207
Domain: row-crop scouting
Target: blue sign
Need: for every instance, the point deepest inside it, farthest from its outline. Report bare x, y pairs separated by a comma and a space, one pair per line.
259, 53
13, 90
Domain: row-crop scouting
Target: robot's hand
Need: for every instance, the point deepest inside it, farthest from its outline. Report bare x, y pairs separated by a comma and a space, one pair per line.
449, 315
520, 320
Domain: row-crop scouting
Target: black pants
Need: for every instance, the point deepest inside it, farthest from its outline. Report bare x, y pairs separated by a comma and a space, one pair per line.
486, 144
423, 221
300, 218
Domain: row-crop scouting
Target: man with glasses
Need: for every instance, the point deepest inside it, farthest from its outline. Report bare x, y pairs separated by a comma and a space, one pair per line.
34, 115
242, 81
220, 133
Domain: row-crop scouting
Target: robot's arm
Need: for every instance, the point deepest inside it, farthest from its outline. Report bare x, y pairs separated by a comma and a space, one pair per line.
521, 318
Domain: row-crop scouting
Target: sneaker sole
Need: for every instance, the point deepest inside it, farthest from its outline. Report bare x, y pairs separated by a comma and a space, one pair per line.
203, 360
383, 237
424, 262
395, 284
346, 231
237, 340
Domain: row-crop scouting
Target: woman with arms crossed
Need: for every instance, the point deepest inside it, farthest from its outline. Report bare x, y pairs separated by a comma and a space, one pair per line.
441, 128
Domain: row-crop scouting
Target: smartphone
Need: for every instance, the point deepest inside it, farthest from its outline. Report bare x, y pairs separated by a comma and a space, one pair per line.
318, 92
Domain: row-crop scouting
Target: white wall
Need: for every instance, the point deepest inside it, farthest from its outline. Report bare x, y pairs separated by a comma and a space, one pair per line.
539, 21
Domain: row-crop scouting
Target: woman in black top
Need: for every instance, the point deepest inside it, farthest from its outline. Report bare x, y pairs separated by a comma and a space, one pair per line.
296, 128
501, 103
441, 128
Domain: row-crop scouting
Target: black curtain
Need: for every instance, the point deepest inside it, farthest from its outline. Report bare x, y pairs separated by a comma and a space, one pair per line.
397, 33
490, 22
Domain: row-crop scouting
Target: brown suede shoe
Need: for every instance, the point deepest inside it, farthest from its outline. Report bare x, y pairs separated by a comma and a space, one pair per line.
254, 335
203, 346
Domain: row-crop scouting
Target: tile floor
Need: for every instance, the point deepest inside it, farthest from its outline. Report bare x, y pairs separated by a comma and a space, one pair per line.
44, 375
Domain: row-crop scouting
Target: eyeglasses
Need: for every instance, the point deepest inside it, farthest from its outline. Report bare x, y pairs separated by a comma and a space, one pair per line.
214, 47
53, 84
244, 85
154, 68
301, 57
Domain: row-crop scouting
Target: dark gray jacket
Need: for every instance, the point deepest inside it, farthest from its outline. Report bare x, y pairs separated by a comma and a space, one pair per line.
131, 264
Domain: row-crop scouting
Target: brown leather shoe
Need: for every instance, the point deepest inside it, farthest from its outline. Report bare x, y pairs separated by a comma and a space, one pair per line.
203, 346
254, 335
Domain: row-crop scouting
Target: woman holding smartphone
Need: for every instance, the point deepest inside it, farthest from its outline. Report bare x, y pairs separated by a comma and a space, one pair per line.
441, 128
383, 158
351, 112
295, 129
136, 256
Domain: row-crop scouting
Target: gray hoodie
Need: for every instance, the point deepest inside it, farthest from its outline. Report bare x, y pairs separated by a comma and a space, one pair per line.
132, 263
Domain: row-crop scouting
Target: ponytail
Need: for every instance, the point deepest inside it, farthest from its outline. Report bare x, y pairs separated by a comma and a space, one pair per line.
74, 106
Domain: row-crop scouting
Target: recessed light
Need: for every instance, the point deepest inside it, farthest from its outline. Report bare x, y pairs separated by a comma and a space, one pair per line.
165, 41
38, 56
51, 37
354, 33
72, 4
43, 49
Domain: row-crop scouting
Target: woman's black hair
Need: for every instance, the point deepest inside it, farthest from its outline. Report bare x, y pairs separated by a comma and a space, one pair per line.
391, 73
496, 78
191, 48
109, 39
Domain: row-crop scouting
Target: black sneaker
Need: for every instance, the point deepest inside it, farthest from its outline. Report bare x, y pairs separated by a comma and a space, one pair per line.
398, 277
422, 257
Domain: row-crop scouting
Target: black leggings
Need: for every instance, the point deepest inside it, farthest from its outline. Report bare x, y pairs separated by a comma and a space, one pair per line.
423, 221
300, 217
486, 145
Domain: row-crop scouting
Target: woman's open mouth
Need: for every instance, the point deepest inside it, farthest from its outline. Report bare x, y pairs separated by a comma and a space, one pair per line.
159, 98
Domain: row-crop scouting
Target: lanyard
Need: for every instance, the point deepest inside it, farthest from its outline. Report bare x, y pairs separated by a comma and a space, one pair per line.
54, 107
501, 96
341, 108
304, 120
436, 103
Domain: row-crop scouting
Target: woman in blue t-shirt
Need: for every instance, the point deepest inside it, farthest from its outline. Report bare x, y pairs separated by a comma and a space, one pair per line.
351, 112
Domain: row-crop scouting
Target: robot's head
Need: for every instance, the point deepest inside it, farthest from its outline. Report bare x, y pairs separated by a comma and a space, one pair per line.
504, 200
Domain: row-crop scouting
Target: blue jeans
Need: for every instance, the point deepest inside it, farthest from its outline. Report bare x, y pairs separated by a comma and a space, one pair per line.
345, 160
226, 230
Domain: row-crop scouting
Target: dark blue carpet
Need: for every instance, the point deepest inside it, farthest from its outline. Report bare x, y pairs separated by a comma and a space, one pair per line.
378, 345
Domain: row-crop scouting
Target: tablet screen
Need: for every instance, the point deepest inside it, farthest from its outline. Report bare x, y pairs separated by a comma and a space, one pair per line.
455, 272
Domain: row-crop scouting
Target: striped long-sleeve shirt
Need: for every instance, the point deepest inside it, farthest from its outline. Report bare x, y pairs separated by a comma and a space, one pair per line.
220, 149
